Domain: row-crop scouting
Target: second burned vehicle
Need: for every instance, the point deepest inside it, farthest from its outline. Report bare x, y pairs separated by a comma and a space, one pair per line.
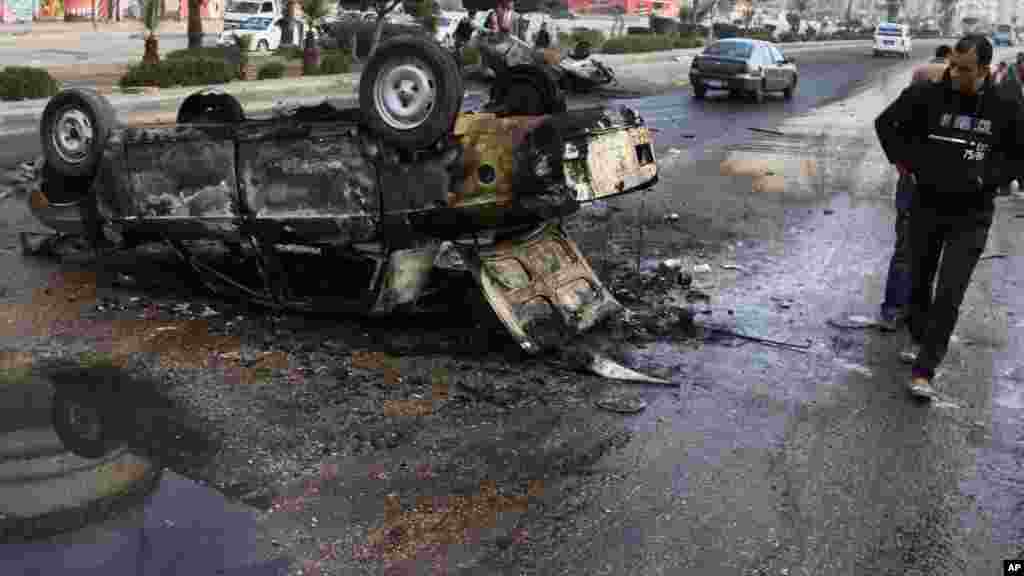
348, 209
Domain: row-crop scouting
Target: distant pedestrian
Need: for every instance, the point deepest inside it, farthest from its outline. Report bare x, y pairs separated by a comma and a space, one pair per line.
895, 304
959, 138
543, 39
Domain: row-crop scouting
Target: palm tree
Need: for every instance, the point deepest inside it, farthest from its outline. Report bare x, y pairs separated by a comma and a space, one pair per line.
150, 21
313, 11
195, 24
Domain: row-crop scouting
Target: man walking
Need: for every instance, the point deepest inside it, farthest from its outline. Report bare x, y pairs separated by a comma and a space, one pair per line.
958, 138
897, 283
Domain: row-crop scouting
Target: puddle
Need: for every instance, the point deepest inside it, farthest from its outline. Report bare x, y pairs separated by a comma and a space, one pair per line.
184, 529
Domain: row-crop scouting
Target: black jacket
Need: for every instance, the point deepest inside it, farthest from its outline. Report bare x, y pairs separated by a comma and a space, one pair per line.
959, 149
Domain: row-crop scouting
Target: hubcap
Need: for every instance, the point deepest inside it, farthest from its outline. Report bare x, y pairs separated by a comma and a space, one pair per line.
404, 94
84, 422
72, 135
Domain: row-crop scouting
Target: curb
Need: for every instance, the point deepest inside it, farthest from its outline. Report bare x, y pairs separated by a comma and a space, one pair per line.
44, 490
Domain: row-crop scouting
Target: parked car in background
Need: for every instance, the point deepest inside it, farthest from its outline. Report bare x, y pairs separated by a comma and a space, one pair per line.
266, 33
743, 66
1003, 36
892, 39
238, 11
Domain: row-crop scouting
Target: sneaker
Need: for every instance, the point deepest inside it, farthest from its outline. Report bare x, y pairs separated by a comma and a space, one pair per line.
921, 387
910, 353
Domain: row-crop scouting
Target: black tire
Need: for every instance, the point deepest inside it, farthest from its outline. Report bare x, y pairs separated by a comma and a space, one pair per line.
699, 91
263, 46
528, 90
69, 119
758, 94
433, 63
94, 440
787, 93
210, 107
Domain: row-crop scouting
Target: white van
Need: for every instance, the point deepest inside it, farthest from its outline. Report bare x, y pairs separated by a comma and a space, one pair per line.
892, 39
238, 11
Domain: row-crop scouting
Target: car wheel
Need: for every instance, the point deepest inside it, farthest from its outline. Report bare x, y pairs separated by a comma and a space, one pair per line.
530, 91
787, 93
210, 107
74, 130
699, 91
758, 94
83, 427
410, 92
263, 46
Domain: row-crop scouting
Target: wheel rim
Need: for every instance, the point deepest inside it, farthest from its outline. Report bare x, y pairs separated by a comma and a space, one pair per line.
83, 422
404, 94
72, 135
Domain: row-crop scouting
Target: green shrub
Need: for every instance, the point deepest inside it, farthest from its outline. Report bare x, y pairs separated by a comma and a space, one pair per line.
335, 62
22, 83
687, 41
271, 70
289, 52
204, 52
596, 38
182, 72
470, 56
639, 43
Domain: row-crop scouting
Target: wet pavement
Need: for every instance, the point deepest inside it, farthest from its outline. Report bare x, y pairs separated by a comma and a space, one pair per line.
414, 446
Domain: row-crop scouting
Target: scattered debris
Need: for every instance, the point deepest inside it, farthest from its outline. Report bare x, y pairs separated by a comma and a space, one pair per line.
672, 217
720, 331
764, 131
588, 359
622, 403
736, 267
853, 367
674, 151
697, 295
702, 268
783, 303
854, 322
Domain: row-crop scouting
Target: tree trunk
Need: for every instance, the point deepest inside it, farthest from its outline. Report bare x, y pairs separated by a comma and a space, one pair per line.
94, 14
152, 53
195, 25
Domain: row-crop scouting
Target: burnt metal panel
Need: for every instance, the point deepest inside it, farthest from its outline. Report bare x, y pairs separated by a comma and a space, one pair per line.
185, 171
489, 157
313, 180
541, 287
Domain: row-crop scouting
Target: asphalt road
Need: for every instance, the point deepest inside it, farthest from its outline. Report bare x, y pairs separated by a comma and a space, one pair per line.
763, 460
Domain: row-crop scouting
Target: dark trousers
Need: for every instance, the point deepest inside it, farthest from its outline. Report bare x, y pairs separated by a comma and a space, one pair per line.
959, 240
897, 282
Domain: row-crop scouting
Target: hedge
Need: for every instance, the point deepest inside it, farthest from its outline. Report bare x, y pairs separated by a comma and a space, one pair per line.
335, 62
204, 52
289, 52
649, 43
596, 38
23, 83
271, 70
181, 72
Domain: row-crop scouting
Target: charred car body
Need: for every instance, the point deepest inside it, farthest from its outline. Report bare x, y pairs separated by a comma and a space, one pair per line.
383, 186
348, 209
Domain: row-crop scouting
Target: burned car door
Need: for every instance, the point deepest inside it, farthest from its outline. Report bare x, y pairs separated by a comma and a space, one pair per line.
177, 181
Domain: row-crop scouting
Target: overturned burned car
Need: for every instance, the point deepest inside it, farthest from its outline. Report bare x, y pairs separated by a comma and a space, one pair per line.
348, 209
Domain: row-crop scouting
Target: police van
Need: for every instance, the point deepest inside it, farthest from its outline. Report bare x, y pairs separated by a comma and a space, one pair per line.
892, 39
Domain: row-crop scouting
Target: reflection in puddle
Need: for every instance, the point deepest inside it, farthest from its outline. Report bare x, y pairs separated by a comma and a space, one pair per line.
184, 530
